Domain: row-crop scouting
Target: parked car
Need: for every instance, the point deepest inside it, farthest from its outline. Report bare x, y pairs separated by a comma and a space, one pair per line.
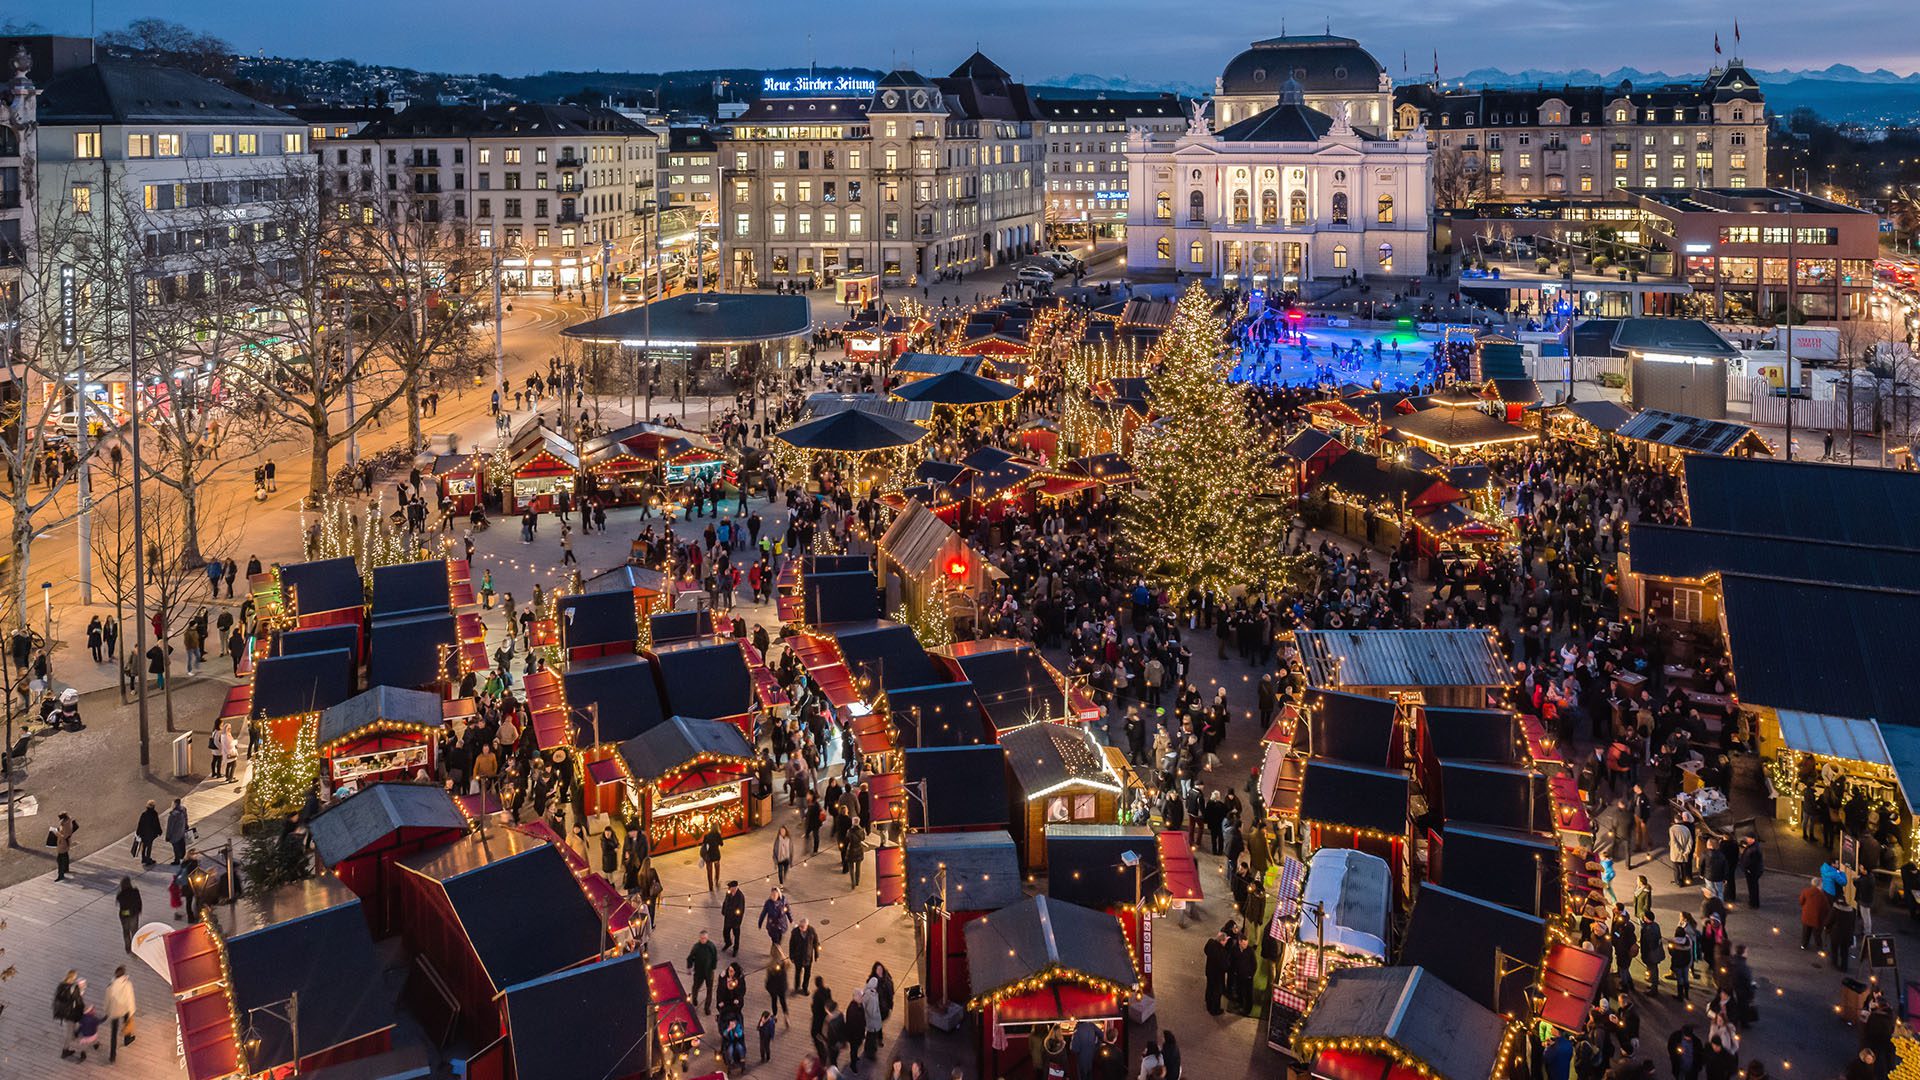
1035, 275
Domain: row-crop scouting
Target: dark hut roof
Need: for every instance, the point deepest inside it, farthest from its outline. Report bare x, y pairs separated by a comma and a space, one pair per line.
317, 639
1453, 935
302, 683
966, 786
1040, 937
1415, 1010
476, 872
626, 689
369, 707
958, 388
1084, 863
409, 588
1501, 865
586, 1023
1047, 755
1494, 794
982, 870
322, 585
852, 431
1355, 797
1829, 649
1806, 500
417, 650
669, 627
599, 618
328, 958
889, 655
1356, 728
707, 680
667, 746
378, 811
1473, 734
943, 714
844, 596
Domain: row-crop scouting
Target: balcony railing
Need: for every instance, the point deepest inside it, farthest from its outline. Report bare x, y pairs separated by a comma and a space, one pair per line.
569, 162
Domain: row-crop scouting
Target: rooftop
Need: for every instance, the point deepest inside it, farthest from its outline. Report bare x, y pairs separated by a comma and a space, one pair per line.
694, 319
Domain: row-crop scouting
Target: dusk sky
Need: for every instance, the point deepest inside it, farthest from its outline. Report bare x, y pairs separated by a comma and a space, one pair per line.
1138, 39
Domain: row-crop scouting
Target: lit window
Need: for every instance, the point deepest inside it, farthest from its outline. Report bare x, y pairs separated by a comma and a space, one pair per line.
86, 144
249, 143
82, 199
222, 145
139, 146
742, 224
1196, 253
292, 142
1339, 256
1384, 213
166, 144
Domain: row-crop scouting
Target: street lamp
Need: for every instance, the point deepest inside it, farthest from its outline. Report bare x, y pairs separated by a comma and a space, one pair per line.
250, 1040
46, 615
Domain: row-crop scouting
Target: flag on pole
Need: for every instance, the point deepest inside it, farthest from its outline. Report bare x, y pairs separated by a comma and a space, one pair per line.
1716, 43
1736, 31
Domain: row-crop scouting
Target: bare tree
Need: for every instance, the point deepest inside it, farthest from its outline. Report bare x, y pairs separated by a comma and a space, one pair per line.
1457, 179
313, 342
171, 43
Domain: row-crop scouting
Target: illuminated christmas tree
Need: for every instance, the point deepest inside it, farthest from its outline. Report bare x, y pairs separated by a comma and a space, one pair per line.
1202, 513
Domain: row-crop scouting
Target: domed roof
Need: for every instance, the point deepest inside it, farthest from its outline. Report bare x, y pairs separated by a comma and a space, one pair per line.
1321, 63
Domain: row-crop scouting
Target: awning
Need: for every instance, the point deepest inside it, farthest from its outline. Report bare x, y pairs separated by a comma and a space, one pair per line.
889, 875
193, 958
1058, 1001
1571, 981
1059, 487
606, 771
670, 1006
1840, 737
207, 1036
1179, 871
885, 793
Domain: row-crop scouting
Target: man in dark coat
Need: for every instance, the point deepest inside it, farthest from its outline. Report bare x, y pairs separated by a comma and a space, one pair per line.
1218, 963
733, 913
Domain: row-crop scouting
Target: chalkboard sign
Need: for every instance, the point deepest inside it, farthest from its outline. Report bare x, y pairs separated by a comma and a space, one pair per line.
1879, 950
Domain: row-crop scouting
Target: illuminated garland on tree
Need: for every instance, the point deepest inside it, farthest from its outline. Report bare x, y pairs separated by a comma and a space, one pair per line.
282, 775
1194, 518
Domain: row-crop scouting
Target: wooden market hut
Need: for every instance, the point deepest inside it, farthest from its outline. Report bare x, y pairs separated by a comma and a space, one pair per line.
687, 775
1514, 868
708, 680
965, 786
359, 837
386, 733
951, 879
543, 465
923, 561
1399, 1023
596, 624
289, 691
673, 627
592, 1022
1447, 667
1450, 429
414, 588
938, 714
308, 940
461, 479
1454, 935
1060, 775
1086, 866
1016, 685
1659, 435
1374, 498
1363, 807
471, 945
420, 652
605, 701
322, 592
1039, 965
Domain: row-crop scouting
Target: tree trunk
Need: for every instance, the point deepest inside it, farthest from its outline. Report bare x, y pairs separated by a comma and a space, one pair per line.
318, 470
22, 538
415, 440
189, 511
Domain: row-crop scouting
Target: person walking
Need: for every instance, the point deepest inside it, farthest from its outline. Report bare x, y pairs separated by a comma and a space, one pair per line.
177, 831
120, 1010
853, 851
128, 901
69, 1008
733, 915
60, 838
782, 854
702, 959
95, 639
147, 830
1680, 961
775, 917
710, 856
803, 947
776, 984
1680, 850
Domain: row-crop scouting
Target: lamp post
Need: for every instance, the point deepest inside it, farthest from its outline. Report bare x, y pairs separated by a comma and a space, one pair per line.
46, 622
1130, 860
250, 1040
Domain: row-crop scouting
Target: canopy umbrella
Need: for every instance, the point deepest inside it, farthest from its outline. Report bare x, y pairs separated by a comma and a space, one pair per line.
958, 388
852, 432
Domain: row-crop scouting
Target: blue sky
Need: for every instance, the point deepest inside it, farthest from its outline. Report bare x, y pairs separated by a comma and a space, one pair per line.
1148, 40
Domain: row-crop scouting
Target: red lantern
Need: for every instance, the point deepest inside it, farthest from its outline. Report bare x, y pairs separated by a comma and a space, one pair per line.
956, 567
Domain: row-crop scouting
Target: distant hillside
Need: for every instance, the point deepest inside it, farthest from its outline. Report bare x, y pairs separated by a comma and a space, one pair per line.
1840, 92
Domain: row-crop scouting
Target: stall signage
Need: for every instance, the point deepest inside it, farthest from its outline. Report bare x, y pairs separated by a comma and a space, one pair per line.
354, 766
821, 84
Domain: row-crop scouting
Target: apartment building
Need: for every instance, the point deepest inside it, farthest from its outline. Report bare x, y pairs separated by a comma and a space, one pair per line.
551, 186
923, 176
1086, 159
1521, 144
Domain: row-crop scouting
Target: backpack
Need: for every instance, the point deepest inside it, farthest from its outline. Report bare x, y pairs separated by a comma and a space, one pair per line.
66, 1001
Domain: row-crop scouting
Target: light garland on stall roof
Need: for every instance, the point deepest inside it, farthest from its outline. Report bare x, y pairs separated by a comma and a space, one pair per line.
380, 727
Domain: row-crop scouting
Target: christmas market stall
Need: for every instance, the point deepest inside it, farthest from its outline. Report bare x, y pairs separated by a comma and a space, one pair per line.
595, 624
592, 1022
935, 715
461, 479
1128, 871
289, 693
1657, 435
686, 776
1018, 686
1588, 423
1444, 667
915, 366
1362, 807
1456, 936
412, 588
321, 592
381, 734
359, 837
1336, 915
306, 943
1060, 775
541, 467
1399, 1023
866, 447
447, 904
961, 788
1036, 970
948, 880
957, 390
1378, 500
708, 680
1453, 427
930, 572
608, 700
421, 652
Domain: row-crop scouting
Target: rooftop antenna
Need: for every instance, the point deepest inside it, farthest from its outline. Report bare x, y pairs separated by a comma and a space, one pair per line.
1329, 26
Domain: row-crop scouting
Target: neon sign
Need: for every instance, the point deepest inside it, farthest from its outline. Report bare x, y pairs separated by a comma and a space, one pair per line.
824, 84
